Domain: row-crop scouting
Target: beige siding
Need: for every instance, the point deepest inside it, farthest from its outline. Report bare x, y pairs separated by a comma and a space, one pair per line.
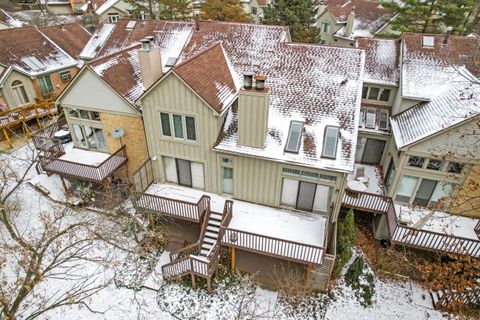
172, 95
60, 9
252, 118
8, 92
389, 103
328, 36
4, 26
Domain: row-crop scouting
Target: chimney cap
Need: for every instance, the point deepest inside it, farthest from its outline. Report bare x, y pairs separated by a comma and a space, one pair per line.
247, 80
260, 82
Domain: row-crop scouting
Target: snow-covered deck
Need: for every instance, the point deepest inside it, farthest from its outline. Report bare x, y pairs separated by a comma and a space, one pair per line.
297, 236
373, 174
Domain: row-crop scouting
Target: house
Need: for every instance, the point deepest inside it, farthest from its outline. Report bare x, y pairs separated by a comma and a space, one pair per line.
64, 6
71, 38
255, 8
108, 10
422, 198
341, 21
7, 21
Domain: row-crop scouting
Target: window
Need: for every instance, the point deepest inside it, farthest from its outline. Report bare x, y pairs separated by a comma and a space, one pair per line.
406, 189
165, 121
308, 174
113, 17
254, 10
442, 190
65, 76
364, 92
19, 92
294, 136
454, 167
190, 124
84, 114
325, 27
46, 85
370, 118
330, 141
383, 119
322, 42
385, 95
373, 93
178, 126
416, 161
89, 137
72, 113
434, 164
424, 192
390, 174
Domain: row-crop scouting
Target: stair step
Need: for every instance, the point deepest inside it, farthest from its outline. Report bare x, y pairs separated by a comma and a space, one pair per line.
213, 228
207, 246
204, 252
208, 240
216, 216
214, 222
213, 235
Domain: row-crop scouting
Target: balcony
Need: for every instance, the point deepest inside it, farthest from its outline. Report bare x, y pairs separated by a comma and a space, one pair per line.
420, 228
280, 233
86, 165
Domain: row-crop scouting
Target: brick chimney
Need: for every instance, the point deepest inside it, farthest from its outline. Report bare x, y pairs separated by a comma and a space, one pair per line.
253, 104
150, 62
349, 25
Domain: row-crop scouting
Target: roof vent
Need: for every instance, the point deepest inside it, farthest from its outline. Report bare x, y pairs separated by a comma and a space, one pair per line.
171, 62
428, 42
130, 25
247, 80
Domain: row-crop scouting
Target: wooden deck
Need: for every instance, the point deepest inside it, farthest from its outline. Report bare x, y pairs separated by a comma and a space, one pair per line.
408, 236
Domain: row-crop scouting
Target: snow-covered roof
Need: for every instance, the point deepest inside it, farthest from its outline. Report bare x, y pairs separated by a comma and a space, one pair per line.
381, 60
96, 42
457, 102
28, 50
70, 37
9, 20
218, 85
319, 86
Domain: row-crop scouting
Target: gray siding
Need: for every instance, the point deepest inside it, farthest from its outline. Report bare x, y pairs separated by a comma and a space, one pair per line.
8, 92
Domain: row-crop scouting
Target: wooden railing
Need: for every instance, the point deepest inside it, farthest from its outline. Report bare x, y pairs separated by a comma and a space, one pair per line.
18, 115
176, 208
366, 201
469, 296
87, 172
177, 268
143, 177
275, 247
185, 251
45, 136
477, 229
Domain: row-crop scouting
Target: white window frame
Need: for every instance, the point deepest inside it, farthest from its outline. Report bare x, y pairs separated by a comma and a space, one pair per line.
370, 118
325, 27
417, 186
184, 127
384, 112
18, 89
65, 76
296, 149
327, 128
113, 17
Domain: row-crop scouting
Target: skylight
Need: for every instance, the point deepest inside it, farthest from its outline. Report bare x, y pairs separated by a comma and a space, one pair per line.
131, 25
428, 41
33, 63
294, 136
171, 62
330, 142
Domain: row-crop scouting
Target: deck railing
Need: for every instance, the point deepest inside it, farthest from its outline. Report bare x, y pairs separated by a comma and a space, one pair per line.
275, 247
143, 177
408, 236
87, 172
44, 136
180, 209
477, 229
18, 115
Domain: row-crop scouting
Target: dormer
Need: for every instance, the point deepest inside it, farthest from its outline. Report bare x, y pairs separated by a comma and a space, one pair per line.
253, 104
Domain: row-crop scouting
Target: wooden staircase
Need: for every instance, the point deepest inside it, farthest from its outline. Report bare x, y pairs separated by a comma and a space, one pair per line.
201, 258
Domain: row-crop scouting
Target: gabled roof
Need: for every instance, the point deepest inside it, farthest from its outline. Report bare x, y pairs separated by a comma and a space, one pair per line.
427, 70
100, 6
211, 76
30, 51
9, 20
370, 16
97, 40
381, 60
121, 71
70, 37
317, 85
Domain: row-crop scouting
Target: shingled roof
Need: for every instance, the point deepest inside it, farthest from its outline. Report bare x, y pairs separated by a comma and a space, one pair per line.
381, 60
30, 51
70, 37
211, 76
9, 20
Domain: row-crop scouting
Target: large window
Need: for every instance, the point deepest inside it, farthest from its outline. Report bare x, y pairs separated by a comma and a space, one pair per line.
183, 126
87, 129
46, 85
372, 118
422, 192
369, 150
19, 92
406, 189
390, 175
306, 196
184, 172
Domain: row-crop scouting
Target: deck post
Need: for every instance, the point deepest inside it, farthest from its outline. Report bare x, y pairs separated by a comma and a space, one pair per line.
209, 284
309, 270
194, 285
7, 137
64, 185
233, 259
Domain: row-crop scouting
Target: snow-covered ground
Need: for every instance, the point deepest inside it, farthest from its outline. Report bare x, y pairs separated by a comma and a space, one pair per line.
157, 300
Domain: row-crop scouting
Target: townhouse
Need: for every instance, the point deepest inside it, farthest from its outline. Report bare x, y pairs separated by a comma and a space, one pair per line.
64, 6
108, 10
255, 8
342, 21
7, 21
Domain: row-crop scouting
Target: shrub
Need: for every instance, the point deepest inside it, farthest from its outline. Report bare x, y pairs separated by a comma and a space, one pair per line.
346, 234
361, 280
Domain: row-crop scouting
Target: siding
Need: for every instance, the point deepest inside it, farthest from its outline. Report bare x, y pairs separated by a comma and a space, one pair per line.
57, 82
174, 96
8, 92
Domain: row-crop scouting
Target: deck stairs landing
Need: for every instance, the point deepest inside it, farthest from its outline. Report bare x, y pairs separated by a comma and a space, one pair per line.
201, 258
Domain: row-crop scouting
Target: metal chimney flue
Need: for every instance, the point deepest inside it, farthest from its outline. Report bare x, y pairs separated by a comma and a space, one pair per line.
247, 80
260, 82
447, 34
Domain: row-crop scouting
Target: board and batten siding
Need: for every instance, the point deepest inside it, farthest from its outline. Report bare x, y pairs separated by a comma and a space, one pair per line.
173, 96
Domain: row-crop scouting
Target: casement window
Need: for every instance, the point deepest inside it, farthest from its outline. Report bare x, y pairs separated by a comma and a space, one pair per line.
294, 137
325, 27
184, 172
178, 126
65, 76
113, 17
370, 118
19, 93
306, 196
46, 85
376, 93
417, 162
422, 192
330, 142
383, 119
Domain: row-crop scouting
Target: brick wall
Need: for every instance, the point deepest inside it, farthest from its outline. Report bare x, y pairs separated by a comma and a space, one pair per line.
134, 138
58, 84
